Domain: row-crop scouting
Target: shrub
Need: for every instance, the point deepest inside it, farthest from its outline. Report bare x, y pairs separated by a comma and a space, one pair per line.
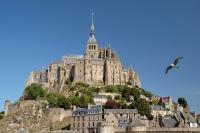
34, 92
2, 115
58, 101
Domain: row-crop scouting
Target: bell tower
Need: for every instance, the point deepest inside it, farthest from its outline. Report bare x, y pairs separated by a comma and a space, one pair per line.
92, 45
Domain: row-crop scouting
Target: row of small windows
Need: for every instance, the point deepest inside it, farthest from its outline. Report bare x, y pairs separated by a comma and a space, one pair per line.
97, 118
89, 125
92, 47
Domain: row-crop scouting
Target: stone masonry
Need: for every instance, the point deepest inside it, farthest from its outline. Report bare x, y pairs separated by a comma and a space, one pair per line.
98, 66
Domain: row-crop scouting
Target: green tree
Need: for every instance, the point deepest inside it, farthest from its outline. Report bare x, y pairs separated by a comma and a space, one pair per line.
143, 108
136, 93
2, 115
155, 101
75, 100
52, 99
109, 98
85, 100
34, 92
132, 105
111, 88
63, 102
182, 102
122, 104
58, 101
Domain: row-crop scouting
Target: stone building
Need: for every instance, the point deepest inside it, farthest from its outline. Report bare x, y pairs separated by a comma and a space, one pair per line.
98, 66
86, 120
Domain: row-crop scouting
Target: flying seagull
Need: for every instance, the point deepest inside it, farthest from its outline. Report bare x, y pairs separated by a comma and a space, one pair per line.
173, 65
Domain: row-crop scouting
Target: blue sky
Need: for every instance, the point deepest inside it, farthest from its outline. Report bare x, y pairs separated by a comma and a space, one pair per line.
147, 35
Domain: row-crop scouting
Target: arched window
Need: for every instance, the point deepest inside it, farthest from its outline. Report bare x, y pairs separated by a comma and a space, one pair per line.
94, 47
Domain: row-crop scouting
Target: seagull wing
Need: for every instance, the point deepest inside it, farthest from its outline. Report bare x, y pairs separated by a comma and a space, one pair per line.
177, 60
168, 68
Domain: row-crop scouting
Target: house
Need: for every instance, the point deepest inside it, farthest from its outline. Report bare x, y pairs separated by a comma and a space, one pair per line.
167, 103
86, 120
158, 110
122, 118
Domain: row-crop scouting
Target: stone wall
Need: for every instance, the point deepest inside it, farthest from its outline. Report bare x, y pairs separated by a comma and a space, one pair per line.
58, 114
148, 130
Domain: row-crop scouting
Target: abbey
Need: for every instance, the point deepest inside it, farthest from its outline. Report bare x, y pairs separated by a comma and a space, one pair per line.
98, 66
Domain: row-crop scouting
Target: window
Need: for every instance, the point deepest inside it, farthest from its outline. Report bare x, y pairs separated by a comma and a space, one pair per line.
73, 124
83, 125
78, 124
93, 124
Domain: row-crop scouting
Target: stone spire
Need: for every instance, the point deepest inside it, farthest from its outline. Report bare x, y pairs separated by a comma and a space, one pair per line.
92, 32
92, 39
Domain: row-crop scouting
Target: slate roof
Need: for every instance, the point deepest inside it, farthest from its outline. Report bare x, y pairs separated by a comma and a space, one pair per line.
169, 121
120, 111
157, 107
93, 110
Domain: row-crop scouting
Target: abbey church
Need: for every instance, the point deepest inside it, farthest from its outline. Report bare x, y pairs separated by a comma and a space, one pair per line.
98, 66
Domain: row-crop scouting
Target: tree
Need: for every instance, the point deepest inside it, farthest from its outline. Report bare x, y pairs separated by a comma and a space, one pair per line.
155, 101
132, 106
109, 98
182, 102
136, 93
85, 100
34, 92
75, 100
143, 108
111, 88
2, 115
122, 104
63, 102
58, 101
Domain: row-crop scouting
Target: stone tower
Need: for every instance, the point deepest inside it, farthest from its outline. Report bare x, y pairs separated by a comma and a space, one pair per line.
92, 45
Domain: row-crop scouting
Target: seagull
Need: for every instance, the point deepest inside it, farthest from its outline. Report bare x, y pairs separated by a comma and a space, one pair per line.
173, 65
